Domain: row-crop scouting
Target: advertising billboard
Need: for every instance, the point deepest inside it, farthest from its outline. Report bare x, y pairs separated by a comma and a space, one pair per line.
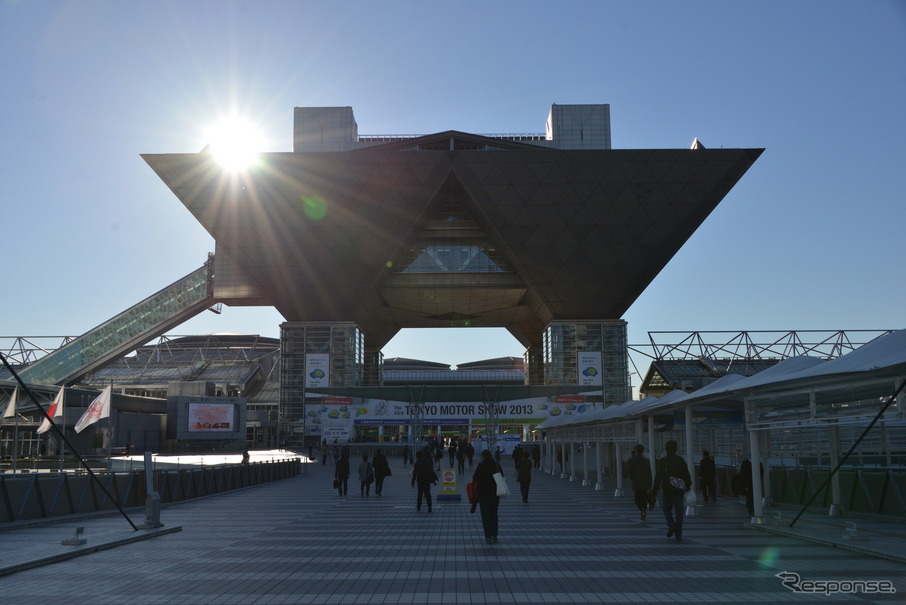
211, 417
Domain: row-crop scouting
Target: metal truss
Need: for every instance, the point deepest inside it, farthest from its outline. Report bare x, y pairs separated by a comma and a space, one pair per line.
754, 344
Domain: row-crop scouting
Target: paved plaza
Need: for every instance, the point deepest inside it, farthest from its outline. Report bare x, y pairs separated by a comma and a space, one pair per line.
297, 541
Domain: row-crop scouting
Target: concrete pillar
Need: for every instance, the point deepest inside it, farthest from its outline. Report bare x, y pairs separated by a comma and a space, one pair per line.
652, 454
599, 457
618, 455
833, 442
755, 457
690, 449
585, 480
563, 457
572, 461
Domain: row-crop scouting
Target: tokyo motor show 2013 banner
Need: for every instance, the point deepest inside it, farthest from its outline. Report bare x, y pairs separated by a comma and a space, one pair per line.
338, 415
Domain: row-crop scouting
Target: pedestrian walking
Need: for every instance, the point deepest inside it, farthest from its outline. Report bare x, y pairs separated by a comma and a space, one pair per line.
536, 456
438, 456
524, 474
488, 499
423, 476
461, 460
366, 476
517, 455
341, 474
325, 452
406, 455
381, 470
640, 475
673, 478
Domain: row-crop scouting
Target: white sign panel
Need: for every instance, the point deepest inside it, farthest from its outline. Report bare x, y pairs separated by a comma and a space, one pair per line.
589, 369
317, 370
362, 412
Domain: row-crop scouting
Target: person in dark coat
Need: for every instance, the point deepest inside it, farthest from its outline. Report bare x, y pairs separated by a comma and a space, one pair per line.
536, 456
461, 460
673, 478
707, 470
423, 476
381, 470
524, 474
341, 474
488, 499
640, 475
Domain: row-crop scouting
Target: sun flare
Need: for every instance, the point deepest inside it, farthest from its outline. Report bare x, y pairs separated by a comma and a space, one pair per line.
235, 142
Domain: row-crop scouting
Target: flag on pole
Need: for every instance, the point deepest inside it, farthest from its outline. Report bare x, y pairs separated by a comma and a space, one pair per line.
11, 406
99, 408
54, 411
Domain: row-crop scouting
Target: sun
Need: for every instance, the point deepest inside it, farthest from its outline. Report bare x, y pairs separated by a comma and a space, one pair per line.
235, 143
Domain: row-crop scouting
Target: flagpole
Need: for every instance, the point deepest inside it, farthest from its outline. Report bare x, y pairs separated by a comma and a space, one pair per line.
53, 425
16, 442
62, 433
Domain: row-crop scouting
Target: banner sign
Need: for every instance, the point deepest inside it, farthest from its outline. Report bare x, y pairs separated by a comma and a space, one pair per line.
336, 400
317, 370
570, 399
589, 368
365, 412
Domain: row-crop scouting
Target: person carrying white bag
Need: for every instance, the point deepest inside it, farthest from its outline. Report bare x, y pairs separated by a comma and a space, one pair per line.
489, 476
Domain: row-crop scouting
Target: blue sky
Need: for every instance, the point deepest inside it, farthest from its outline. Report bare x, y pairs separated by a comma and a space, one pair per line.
810, 238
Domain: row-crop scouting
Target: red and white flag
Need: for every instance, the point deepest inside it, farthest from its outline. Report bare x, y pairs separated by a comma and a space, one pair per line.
54, 411
11, 406
99, 408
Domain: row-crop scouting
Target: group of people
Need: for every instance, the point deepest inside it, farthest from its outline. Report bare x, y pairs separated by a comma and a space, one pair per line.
673, 479
424, 475
374, 471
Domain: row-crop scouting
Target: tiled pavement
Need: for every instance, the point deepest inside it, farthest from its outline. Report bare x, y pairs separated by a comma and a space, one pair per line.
296, 541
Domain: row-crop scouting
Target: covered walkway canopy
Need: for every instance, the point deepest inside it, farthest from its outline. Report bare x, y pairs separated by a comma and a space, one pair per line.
801, 398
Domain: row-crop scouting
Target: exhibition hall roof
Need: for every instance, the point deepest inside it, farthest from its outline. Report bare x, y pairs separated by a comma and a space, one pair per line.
450, 230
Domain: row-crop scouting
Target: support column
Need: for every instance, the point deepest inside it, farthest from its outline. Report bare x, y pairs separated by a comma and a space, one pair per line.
563, 456
690, 461
599, 457
766, 455
572, 461
651, 453
534, 366
618, 454
585, 480
833, 442
374, 364
755, 457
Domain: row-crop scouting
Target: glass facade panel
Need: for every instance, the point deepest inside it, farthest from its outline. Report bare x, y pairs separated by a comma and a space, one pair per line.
563, 341
345, 344
454, 258
141, 319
